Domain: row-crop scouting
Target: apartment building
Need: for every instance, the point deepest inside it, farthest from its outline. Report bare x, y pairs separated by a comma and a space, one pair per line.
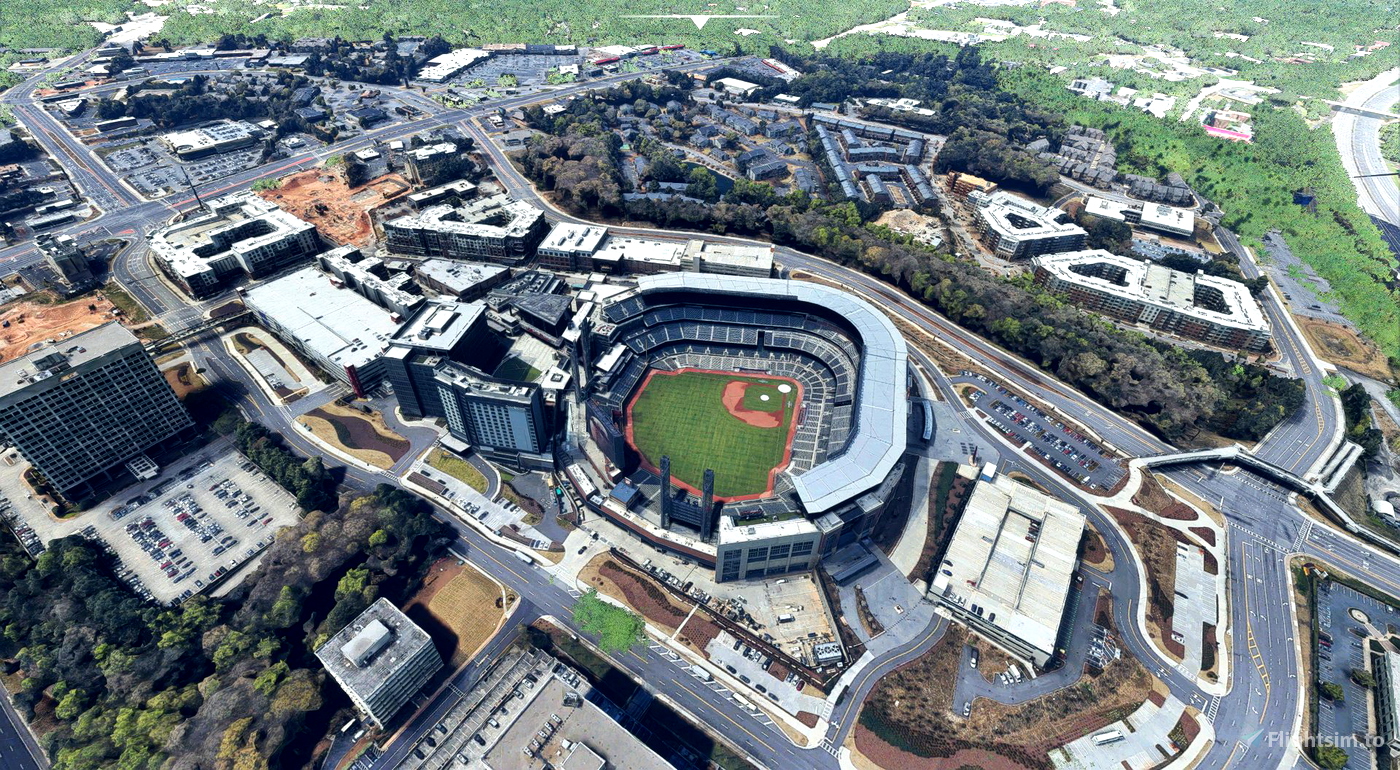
1016, 228
1192, 305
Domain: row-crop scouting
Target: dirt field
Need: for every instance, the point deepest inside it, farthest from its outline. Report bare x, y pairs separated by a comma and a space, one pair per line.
341, 213
1344, 347
907, 723
910, 223
466, 602
1094, 552
26, 322
1153, 497
1156, 546
650, 601
182, 379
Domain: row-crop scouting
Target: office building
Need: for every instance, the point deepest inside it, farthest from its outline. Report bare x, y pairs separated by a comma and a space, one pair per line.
570, 247
637, 256
496, 229
1016, 228
460, 189
81, 408
1009, 565
727, 259
380, 660
754, 551
1166, 219
68, 261
220, 136
1192, 305
422, 163
239, 234
438, 363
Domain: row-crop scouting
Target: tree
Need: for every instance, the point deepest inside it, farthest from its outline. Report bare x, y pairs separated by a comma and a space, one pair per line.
1363, 677
1332, 691
618, 630
1330, 757
1108, 234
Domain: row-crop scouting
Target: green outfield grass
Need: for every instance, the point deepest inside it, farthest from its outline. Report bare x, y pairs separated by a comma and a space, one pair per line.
683, 416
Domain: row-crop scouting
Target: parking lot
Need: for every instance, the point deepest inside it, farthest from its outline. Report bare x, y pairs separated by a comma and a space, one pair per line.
529, 70
1341, 647
1062, 446
180, 533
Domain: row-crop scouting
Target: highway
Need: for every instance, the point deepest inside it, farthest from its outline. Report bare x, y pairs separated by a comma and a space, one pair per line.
1264, 526
1358, 141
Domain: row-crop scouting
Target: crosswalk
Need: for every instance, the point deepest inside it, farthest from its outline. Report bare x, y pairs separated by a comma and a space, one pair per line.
1304, 532
1212, 709
1260, 539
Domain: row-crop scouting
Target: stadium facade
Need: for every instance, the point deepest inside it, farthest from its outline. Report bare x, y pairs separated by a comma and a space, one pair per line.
846, 449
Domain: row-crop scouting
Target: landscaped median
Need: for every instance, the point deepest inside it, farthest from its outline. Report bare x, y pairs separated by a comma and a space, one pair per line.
459, 469
362, 435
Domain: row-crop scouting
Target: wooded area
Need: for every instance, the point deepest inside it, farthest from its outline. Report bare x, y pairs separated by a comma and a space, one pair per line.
1173, 391
111, 681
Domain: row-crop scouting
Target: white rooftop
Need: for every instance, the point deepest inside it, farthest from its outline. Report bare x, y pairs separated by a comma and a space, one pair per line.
581, 239
442, 67
188, 246
1168, 218
337, 324
1011, 215
1012, 555
730, 532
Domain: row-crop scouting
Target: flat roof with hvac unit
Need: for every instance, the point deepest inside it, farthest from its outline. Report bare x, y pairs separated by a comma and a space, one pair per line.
1009, 566
381, 659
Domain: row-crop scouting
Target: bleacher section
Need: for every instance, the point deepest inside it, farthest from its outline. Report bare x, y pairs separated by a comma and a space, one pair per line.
808, 349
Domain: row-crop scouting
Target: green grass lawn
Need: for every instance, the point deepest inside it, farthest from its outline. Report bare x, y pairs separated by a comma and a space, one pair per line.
458, 468
516, 368
683, 416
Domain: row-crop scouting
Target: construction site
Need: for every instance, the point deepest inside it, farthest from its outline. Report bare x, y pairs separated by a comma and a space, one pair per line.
27, 323
341, 213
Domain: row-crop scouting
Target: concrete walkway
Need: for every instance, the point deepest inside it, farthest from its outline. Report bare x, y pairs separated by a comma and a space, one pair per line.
910, 547
1143, 731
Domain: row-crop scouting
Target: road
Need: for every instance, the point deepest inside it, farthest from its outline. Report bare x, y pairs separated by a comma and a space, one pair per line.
1358, 141
1264, 527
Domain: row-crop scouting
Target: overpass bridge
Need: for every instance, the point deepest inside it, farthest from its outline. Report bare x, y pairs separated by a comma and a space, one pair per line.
1364, 112
191, 332
1318, 491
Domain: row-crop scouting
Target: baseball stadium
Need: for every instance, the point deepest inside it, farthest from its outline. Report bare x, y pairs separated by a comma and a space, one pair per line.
753, 424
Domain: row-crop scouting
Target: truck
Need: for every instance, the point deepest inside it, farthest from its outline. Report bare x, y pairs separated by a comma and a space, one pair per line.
702, 674
524, 558
1107, 737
